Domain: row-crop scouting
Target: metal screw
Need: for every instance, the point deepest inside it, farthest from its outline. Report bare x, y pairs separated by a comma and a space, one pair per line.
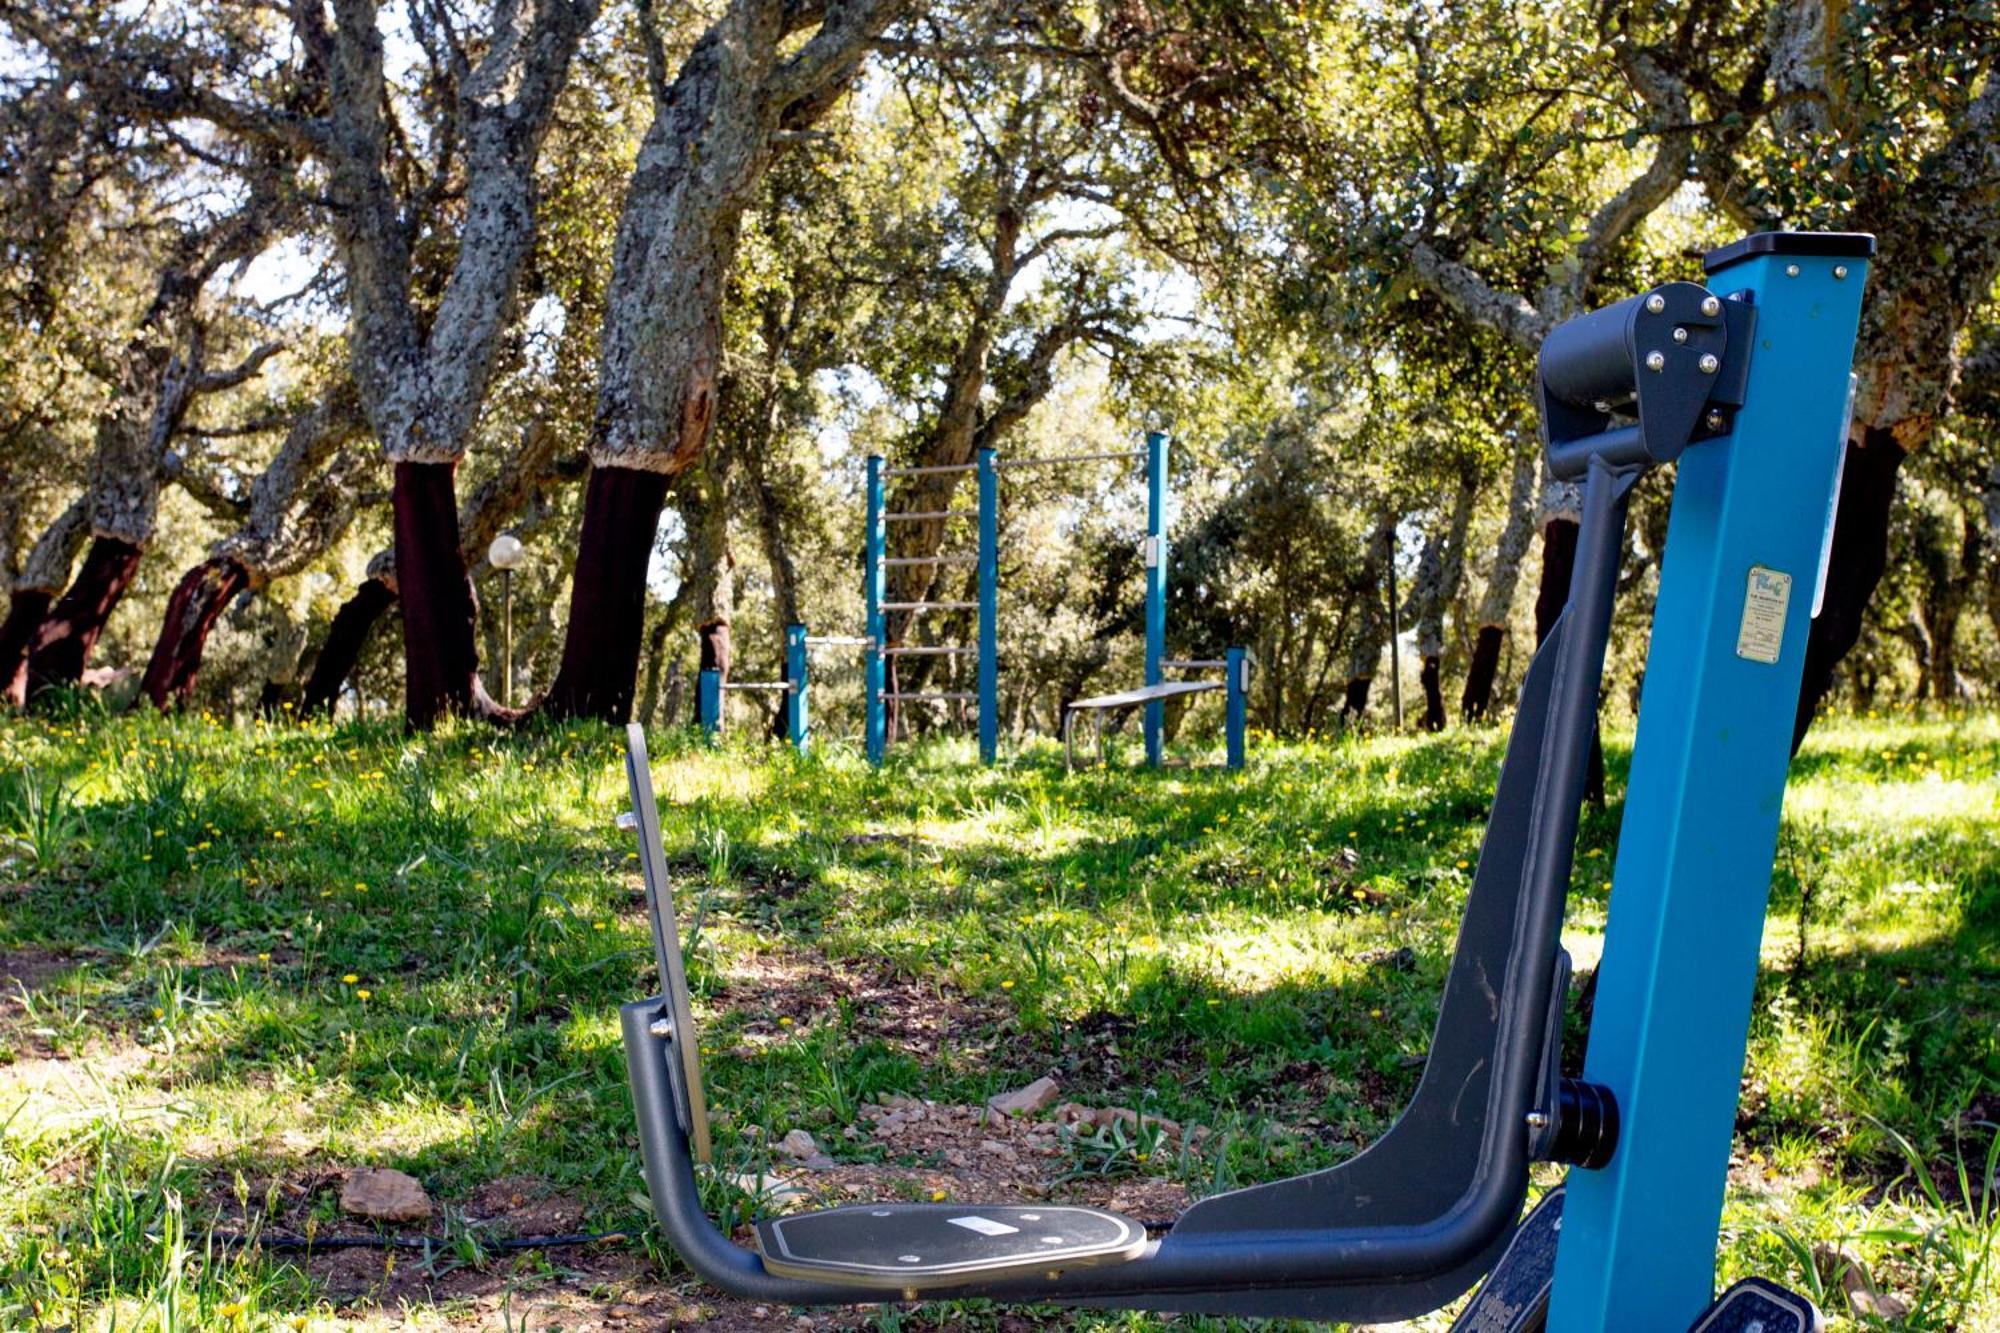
1791, 270
1656, 361
1538, 1120
1710, 306
1602, 406
1708, 363
1680, 334
663, 1028
627, 821
1716, 420
1839, 272
1656, 303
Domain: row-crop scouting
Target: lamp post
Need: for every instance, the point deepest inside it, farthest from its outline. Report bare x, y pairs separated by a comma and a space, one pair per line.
506, 555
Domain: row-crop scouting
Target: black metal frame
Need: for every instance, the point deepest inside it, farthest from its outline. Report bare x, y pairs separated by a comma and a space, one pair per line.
1416, 1220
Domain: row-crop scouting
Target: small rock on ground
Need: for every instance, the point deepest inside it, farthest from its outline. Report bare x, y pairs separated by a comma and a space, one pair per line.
1025, 1101
382, 1194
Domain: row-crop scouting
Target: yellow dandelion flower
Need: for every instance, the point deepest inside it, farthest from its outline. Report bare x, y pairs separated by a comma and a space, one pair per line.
349, 980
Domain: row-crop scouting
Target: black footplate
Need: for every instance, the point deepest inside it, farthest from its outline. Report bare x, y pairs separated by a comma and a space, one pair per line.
1515, 1296
1756, 1306
909, 1246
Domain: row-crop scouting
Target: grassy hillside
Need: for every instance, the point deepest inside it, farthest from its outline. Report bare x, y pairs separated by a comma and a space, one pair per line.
235, 962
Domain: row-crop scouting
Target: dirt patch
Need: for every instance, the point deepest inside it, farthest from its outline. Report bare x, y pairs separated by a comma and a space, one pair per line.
27, 970
919, 1018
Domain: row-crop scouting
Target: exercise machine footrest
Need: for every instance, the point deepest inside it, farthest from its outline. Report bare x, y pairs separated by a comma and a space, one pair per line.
911, 1246
1514, 1298
1756, 1306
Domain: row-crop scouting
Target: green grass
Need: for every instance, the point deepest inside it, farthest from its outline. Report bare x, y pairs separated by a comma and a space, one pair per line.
265, 952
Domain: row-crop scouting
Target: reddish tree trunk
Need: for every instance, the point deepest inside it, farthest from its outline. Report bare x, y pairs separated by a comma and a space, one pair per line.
62, 648
607, 612
1483, 671
440, 654
1558, 563
345, 639
1860, 554
191, 612
26, 614
1433, 695
714, 644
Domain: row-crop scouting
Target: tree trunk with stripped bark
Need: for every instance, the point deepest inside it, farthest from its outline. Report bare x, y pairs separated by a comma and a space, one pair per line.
1503, 578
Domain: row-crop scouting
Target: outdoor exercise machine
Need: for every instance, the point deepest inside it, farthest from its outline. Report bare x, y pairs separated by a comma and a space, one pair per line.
985, 649
711, 689
1744, 383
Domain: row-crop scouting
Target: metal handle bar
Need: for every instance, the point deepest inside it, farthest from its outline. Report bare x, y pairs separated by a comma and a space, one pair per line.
839, 641
1068, 458
929, 606
930, 559
757, 685
929, 471
927, 651
931, 698
1194, 664
912, 515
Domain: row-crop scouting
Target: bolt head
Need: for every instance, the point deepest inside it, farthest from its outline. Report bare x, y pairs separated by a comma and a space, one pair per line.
1656, 361
1708, 363
1538, 1120
1791, 270
1710, 306
662, 1028
1656, 303
1839, 272
1680, 334
1715, 421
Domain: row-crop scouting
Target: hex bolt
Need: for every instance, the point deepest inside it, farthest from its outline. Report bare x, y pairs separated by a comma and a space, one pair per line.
1656, 361
1680, 334
1656, 303
663, 1028
1603, 407
1538, 1121
1791, 270
1715, 420
1710, 306
1839, 272
1708, 363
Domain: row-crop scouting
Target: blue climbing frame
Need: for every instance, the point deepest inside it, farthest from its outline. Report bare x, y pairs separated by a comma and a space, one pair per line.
1744, 557
987, 467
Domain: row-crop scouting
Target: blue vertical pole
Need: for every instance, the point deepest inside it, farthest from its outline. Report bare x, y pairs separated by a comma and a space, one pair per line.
1236, 694
989, 607
1701, 810
871, 593
708, 703
796, 719
1156, 587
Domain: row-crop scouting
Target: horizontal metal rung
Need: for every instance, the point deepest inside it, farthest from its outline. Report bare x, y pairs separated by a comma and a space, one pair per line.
930, 698
930, 559
839, 641
1069, 458
938, 470
913, 515
928, 652
1195, 664
756, 685
930, 606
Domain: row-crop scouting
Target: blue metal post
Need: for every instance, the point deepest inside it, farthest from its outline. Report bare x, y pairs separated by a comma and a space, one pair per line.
1156, 588
1701, 810
796, 718
708, 703
1236, 694
989, 607
871, 592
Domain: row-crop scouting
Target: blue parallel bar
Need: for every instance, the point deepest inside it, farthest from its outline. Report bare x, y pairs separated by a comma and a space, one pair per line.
796, 717
708, 703
1236, 696
989, 607
1156, 587
871, 592
1701, 811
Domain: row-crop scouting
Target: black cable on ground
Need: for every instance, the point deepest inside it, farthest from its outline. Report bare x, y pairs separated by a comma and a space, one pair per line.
280, 1240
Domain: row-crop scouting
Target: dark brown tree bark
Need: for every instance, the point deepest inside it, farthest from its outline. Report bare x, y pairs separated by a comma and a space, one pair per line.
1482, 672
600, 661
62, 647
27, 611
197, 600
345, 640
440, 662
1854, 566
